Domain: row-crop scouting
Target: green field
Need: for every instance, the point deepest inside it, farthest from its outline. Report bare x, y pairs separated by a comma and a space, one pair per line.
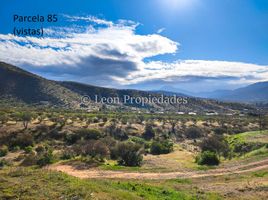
29, 183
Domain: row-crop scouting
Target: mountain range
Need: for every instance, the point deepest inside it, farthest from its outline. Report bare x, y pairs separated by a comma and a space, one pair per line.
18, 85
254, 93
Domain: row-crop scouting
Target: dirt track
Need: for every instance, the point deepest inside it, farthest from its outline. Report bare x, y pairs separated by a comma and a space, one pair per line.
99, 174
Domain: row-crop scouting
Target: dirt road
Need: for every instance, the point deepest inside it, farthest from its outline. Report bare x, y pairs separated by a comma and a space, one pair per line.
100, 174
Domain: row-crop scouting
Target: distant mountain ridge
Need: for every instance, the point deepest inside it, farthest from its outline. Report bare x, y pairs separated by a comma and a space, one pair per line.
22, 86
254, 93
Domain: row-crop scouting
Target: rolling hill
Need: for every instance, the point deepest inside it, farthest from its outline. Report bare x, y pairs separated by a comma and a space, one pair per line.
18, 85
22, 86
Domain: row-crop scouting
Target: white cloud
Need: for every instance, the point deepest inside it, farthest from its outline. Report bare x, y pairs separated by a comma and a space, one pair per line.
242, 72
71, 47
160, 30
106, 52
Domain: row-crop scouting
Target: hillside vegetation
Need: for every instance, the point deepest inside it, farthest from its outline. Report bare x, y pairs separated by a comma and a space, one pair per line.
20, 86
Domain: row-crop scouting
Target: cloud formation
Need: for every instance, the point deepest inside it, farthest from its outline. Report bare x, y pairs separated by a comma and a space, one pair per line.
161, 30
112, 54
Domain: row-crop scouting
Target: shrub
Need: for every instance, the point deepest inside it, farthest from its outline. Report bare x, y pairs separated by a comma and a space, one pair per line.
109, 141
193, 133
45, 158
29, 160
40, 149
161, 147
56, 134
95, 120
207, 158
219, 131
140, 119
242, 147
26, 118
105, 119
96, 149
116, 132
89, 134
71, 138
215, 144
42, 128
16, 148
3, 162
149, 132
28, 149
129, 154
67, 154
22, 140
3, 117
41, 132
119, 134
3, 150
140, 141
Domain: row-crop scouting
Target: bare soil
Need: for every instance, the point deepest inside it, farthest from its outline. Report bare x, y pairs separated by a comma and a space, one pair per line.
100, 174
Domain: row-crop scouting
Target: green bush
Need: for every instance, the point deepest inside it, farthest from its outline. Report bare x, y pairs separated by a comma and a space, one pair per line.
119, 134
95, 120
149, 132
45, 158
71, 138
217, 144
95, 149
89, 134
194, 133
219, 130
26, 118
67, 154
116, 132
161, 147
140, 141
3, 150
3, 117
3, 163
207, 158
28, 149
30, 159
129, 154
40, 149
16, 148
22, 140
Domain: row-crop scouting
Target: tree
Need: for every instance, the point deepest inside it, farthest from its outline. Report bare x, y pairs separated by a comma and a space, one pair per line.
26, 118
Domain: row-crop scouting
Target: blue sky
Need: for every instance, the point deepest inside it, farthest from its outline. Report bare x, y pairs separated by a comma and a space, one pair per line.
196, 45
